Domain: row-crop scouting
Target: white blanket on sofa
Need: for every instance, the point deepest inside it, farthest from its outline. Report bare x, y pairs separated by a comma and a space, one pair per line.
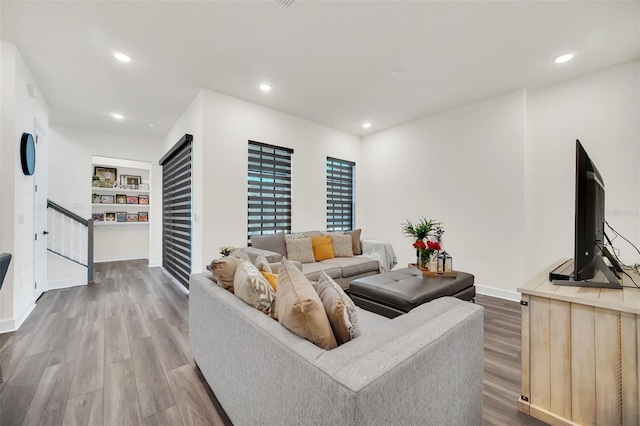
380, 251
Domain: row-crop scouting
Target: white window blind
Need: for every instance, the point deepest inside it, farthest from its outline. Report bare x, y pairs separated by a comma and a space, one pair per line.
340, 183
269, 189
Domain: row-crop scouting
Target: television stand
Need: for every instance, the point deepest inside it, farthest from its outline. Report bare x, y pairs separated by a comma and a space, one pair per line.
605, 276
580, 352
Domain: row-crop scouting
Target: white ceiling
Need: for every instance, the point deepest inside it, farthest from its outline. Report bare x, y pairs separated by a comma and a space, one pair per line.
328, 62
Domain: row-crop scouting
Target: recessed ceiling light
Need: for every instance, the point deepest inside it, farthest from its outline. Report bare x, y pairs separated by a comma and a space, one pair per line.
152, 125
265, 87
397, 72
122, 57
366, 125
117, 115
563, 58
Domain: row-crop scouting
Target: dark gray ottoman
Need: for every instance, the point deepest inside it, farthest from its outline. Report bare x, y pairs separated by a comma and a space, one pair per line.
397, 292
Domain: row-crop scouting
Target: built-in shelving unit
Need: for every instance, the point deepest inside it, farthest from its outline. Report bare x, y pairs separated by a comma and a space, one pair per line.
128, 237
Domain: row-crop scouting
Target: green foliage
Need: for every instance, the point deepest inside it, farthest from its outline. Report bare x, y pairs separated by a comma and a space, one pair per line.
421, 230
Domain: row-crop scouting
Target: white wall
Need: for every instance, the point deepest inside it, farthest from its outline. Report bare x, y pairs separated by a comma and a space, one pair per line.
462, 167
602, 110
71, 186
19, 113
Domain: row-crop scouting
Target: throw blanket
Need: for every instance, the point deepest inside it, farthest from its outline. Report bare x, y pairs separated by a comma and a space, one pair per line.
380, 251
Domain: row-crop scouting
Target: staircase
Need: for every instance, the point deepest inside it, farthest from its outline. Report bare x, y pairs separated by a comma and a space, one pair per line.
70, 247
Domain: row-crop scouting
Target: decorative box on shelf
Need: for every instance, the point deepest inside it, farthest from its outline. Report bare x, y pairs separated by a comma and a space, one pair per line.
428, 273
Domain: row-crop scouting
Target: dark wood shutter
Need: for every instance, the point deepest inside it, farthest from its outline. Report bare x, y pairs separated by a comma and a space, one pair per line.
176, 210
269, 189
340, 183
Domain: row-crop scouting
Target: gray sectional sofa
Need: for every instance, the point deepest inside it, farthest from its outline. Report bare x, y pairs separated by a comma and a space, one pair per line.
376, 257
421, 368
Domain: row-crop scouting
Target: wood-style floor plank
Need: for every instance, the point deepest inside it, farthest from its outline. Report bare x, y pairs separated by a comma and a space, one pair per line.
84, 410
68, 345
88, 375
48, 335
173, 348
116, 340
154, 392
17, 393
120, 395
50, 400
13, 350
136, 324
168, 417
191, 397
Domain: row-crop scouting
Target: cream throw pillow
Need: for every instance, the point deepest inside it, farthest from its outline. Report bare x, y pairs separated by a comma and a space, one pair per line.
300, 249
340, 309
263, 264
342, 245
299, 307
250, 286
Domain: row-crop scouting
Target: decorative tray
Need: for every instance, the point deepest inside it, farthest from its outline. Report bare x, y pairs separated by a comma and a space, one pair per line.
428, 273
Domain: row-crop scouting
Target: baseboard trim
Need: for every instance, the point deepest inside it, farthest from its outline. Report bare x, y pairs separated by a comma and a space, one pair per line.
14, 324
498, 292
155, 263
117, 259
58, 284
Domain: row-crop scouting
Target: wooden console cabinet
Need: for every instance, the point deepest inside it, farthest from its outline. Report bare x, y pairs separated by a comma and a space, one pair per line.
580, 353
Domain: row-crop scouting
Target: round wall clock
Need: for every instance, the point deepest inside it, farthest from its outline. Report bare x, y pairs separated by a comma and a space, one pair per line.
27, 154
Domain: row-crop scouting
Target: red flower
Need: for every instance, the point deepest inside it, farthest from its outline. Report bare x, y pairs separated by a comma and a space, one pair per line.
433, 245
419, 244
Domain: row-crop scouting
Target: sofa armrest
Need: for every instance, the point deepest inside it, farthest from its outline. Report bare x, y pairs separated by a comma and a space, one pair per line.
272, 256
382, 252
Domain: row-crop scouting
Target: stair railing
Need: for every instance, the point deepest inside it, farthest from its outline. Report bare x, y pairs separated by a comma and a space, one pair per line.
70, 236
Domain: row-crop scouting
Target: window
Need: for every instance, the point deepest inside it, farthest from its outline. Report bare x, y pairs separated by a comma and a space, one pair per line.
340, 183
176, 210
269, 188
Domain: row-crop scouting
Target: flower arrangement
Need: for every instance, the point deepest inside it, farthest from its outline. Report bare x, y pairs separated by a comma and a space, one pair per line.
226, 250
429, 230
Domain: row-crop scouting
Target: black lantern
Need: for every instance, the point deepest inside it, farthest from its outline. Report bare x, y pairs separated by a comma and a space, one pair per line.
445, 262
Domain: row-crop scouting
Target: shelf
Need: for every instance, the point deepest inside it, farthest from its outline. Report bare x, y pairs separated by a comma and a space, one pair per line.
116, 206
98, 190
103, 224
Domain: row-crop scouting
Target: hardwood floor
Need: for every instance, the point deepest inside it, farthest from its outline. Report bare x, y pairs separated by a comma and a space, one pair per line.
116, 352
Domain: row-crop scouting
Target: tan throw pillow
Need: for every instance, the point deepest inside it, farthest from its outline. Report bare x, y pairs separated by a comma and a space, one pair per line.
224, 270
355, 235
299, 307
263, 264
300, 249
340, 309
250, 286
342, 245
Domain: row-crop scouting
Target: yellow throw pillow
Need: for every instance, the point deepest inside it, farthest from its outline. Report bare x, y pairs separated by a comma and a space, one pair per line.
272, 278
322, 247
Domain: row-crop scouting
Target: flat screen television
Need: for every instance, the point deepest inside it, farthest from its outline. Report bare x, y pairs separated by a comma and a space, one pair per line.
589, 242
